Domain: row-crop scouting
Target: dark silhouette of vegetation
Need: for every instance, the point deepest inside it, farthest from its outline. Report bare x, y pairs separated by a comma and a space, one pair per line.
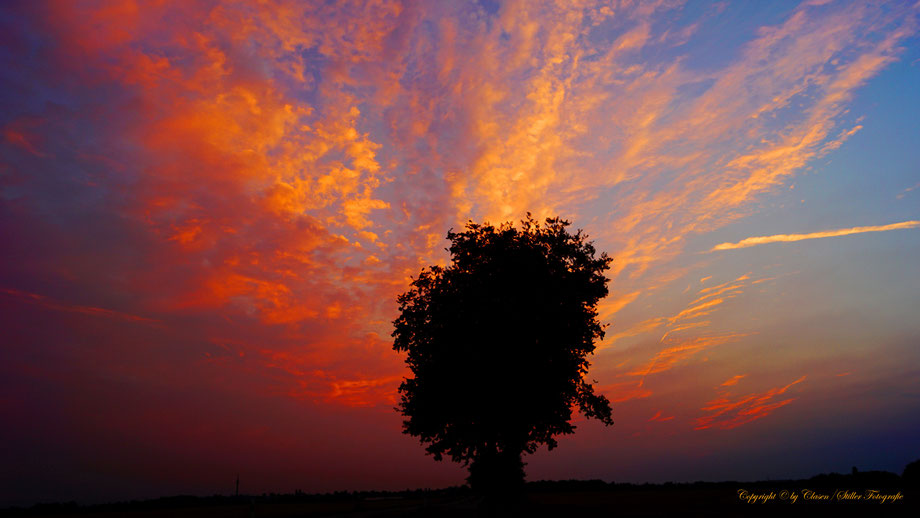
911, 474
497, 342
540, 498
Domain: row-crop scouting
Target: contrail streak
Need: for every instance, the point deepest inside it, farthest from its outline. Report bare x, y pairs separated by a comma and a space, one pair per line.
762, 240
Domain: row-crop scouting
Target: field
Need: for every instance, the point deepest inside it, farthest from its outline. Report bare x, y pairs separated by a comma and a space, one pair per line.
866, 494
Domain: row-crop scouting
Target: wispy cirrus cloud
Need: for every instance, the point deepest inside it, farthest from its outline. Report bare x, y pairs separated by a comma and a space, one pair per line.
789, 238
674, 355
733, 380
659, 418
75, 308
726, 413
903, 193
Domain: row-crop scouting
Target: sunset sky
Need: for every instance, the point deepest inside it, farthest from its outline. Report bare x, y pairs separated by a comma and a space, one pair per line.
207, 210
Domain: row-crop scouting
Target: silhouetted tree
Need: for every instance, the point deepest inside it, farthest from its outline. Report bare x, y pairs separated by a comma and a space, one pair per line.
911, 474
497, 343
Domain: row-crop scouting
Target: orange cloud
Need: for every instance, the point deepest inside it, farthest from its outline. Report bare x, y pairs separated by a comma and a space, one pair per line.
642, 327
674, 355
733, 380
613, 304
787, 238
727, 413
625, 391
697, 311
657, 417
704, 305
255, 195
364, 392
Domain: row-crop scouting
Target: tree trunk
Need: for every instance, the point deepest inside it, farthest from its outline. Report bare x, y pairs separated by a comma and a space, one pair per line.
496, 472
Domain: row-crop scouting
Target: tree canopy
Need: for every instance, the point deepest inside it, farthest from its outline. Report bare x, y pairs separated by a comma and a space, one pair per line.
497, 343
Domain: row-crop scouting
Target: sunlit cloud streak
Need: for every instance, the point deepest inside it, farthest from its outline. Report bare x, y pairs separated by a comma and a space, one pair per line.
733, 380
624, 391
688, 318
788, 238
657, 417
727, 413
670, 357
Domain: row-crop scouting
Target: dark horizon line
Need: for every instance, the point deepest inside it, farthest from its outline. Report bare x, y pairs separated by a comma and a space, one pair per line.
880, 478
